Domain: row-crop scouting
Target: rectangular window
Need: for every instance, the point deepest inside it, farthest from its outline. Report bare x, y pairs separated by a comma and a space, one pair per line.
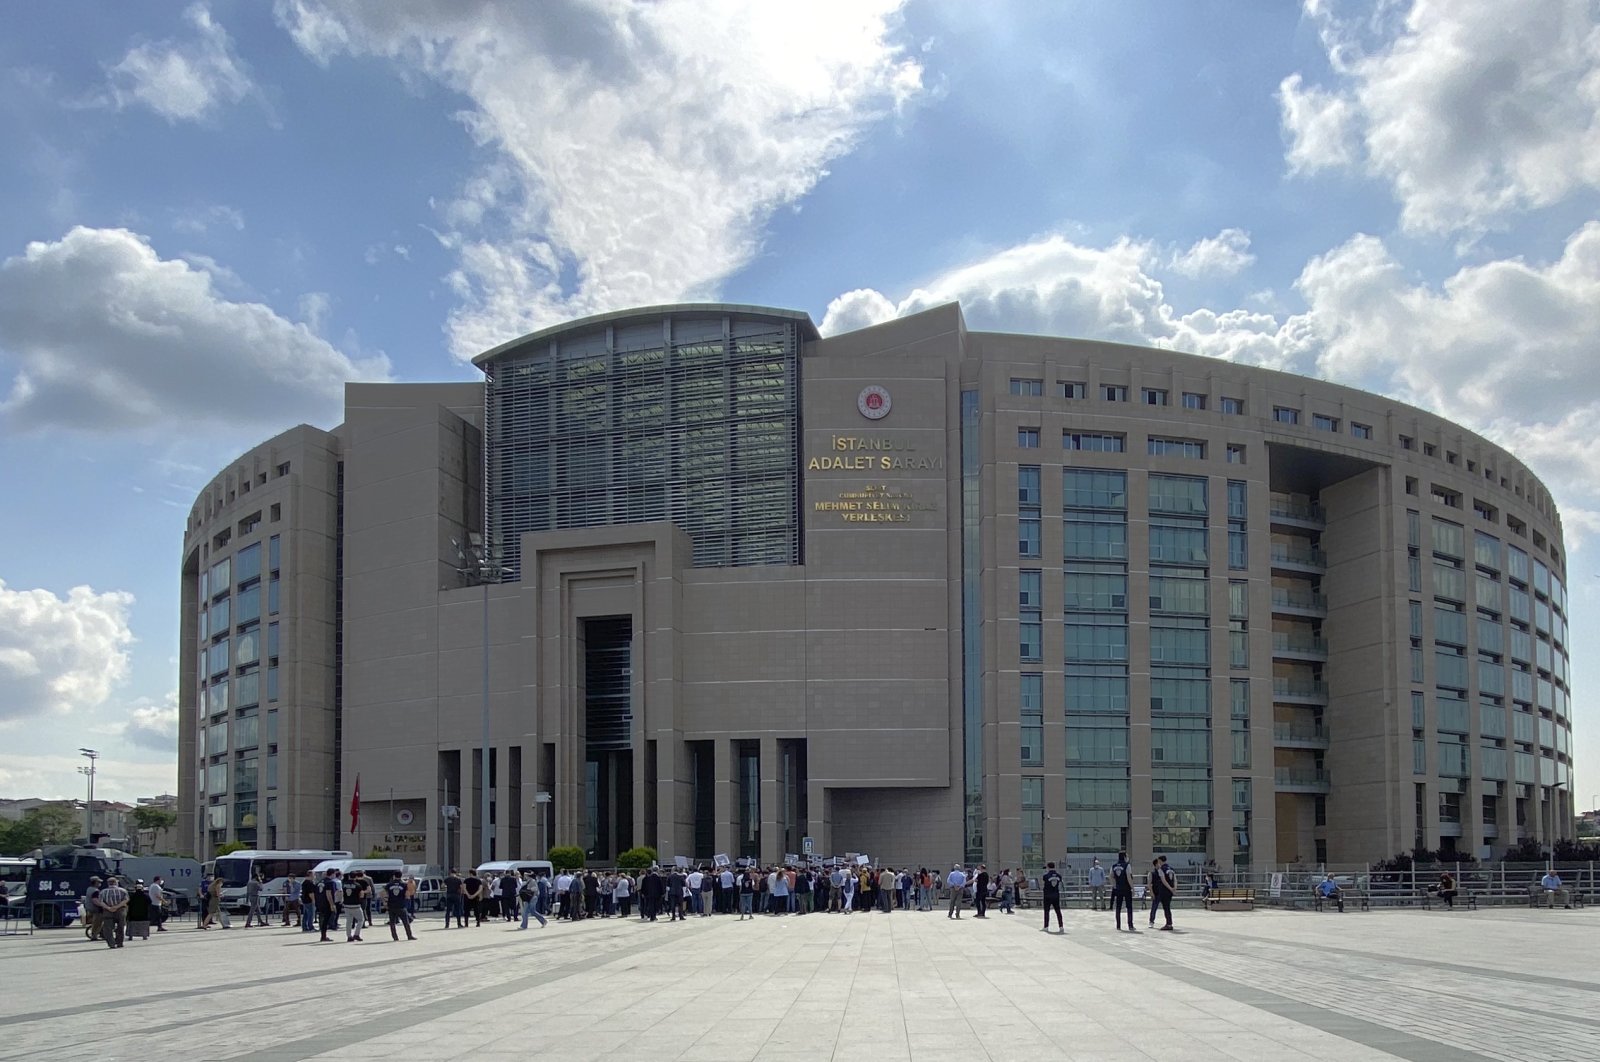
1159, 447
1177, 545
1448, 539
1360, 431
1113, 392
1027, 484
1095, 590
1027, 388
1085, 488
1028, 536
273, 553
1449, 581
1407, 443
1485, 551
1235, 454
1070, 389
1088, 742
1089, 539
1088, 641
272, 595
1238, 547
1184, 495
1153, 396
1233, 407
1031, 639
1192, 400
247, 563
1285, 415
1095, 689
1322, 422
1093, 442
1028, 438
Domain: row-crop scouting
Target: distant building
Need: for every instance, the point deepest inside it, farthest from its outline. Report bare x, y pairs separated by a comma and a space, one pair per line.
913, 591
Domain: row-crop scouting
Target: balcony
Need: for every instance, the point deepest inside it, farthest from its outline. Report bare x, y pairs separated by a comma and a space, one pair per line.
1299, 691
1300, 646
1297, 514
1299, 558
1299, 736
1299, 603
1301, 780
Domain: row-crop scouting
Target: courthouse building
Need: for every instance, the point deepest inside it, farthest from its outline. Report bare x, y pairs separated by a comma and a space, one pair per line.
914, 591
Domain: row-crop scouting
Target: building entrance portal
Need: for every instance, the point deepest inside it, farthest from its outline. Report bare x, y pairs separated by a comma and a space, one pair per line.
608, 724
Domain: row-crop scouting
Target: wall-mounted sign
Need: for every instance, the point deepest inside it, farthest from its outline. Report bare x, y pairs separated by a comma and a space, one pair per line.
873, 402
404, 817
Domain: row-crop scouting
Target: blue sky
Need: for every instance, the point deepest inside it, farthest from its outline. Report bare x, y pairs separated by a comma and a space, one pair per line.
216, 214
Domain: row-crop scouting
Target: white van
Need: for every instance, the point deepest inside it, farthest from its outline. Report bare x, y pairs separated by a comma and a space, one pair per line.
518, 867
379, 870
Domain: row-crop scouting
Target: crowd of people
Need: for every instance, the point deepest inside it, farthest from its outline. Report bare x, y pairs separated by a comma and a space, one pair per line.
355, 900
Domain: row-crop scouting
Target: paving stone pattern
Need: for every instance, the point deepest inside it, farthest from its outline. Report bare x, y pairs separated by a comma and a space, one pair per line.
1270, 985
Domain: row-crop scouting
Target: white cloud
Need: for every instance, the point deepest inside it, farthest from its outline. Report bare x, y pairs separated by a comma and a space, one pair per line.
200, 220
154, 726
632, 151
1055, 286
1470, 109
1507, 348
1221, 255
102, 334
55, 777
185, 80
60, 655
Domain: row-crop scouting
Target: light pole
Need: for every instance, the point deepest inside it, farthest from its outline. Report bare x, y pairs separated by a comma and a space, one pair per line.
1553, 790
88, 809
477, 562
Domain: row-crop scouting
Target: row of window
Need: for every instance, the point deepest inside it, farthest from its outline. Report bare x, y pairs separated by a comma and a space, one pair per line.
1158, 396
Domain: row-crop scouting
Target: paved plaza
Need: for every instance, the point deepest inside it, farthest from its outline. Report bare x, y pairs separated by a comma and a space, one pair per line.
1454, 987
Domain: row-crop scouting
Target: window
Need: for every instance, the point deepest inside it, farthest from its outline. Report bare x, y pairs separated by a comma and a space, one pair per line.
283, 469
1159, 447
1093, 443
1361, 431
1089, 641
1285, 415
1193, 401
1185, 495
1028, 536
1071, 389
277, 512
1113, 392
1235, 454
1027, 388
1445, 496
1027, 484
1411, 486
1407, 443
1030, 593
1483, 510
1084, 488
1429, 450
1451, 458
1028, 438
1153, 396
1324, 423
1449, 540
1234, 407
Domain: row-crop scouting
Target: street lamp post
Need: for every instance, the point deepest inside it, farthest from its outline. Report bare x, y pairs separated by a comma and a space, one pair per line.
477, 562
88, 808
1553, 789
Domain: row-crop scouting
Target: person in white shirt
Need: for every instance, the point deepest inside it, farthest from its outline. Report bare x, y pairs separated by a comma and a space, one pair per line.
622, 892
563, 892
693, 882
158, 904
730, 895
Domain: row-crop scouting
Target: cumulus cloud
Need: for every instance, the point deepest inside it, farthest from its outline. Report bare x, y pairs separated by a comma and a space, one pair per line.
154, 726
1469, 109
1221, 255
55, 777
102, 334
182, 80
60, 655
632, 151
1507, 348
1056, 286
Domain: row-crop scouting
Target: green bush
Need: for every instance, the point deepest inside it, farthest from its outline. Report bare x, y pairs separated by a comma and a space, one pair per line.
640, 858
566, 857
230, 847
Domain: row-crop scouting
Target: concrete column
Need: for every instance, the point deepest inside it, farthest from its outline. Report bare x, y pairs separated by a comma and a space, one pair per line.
771, 829
724, 788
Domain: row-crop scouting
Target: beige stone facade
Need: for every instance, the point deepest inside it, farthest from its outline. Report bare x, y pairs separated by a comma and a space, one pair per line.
997, 597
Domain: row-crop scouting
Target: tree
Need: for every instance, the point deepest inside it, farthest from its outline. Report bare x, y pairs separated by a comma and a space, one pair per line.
230, 848
640, 858
19, 837
158, 819
566, 857
56, 824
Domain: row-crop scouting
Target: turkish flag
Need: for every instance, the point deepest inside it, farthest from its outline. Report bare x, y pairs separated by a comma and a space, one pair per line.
355, 806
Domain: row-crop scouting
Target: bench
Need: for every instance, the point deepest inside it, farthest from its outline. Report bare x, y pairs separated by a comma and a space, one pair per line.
1539, 896
1429, 898
1231, 898
1352, 898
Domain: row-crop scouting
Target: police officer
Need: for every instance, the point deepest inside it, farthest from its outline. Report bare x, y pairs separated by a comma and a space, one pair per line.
1051, 881
1122, 890
394, 898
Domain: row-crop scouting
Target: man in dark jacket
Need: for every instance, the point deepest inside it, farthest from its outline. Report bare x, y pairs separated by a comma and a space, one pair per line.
651, 889
675, 886
980, 891
508, 895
